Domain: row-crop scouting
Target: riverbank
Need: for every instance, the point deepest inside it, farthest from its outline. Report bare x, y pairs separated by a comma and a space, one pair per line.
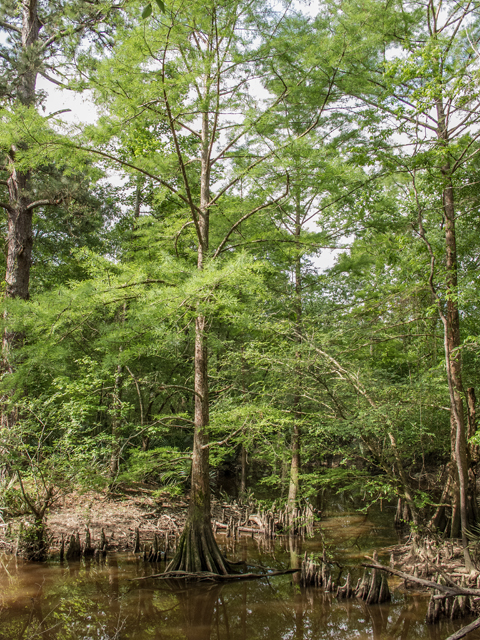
117, 515
120, 515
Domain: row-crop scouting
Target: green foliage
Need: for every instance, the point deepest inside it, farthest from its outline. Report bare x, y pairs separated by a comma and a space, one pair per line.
329, 132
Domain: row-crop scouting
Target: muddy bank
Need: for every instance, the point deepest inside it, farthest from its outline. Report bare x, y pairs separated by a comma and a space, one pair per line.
120, 516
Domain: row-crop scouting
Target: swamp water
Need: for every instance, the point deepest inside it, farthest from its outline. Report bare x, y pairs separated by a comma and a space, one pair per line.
98, 601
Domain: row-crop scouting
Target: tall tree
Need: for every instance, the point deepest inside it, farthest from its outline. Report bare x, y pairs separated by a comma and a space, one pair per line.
41, 36
426, 95
189, 70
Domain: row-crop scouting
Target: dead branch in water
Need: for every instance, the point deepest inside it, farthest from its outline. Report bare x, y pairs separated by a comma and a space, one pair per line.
450, 591
214, 577
461, 633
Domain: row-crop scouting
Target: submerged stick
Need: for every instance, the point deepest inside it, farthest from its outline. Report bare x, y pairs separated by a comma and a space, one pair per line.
206, 575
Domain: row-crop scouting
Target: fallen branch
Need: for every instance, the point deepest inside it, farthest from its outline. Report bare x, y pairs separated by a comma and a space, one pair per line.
206, 575
461, 633
451, 591
221, 525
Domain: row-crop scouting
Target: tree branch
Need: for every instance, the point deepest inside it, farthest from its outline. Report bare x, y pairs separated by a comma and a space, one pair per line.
248, 215
10, 27
222, 442
449, 591
42, 203
122, 163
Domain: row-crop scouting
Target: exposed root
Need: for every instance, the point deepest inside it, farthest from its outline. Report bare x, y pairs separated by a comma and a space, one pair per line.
214, 577
448, 590
198, 552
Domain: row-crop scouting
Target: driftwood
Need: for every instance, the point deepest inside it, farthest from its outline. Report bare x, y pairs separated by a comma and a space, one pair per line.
241, 528
457, 608
449, 590
461, 633
215, 577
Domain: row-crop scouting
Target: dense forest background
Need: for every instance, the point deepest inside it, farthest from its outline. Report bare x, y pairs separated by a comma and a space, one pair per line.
165, 286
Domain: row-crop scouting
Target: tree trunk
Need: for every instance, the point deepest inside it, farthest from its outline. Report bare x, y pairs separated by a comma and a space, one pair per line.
198, 549
117, 407
19, 213
243, 451
451, 321
472, 457
472, 424
20, 237
243, 472
294, 479
294, 486
116, 421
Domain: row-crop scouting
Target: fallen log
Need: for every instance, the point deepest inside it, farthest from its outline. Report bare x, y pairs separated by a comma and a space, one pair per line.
206, 575
221, 525
461, 633
451, 591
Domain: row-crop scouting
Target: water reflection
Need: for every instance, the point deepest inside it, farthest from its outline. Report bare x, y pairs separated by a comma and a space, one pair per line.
294, 546
200, 609
87, 600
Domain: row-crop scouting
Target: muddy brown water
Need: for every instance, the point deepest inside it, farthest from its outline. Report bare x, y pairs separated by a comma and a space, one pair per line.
91, 601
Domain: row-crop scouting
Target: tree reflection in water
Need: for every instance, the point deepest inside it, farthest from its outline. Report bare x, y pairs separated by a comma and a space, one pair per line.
88, 600
200, 606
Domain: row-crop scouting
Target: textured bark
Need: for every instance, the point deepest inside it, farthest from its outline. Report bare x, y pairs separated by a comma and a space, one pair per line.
472, 458
472, 424
19, 213
451, 321
243, 471
294, 485
20, 236
294, 478
197, 549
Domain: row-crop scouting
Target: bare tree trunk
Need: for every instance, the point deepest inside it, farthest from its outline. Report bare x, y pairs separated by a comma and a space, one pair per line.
294, 478
116, 422
472, 457
243, 471
451, 322
294, 486
472, 422
198, 549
